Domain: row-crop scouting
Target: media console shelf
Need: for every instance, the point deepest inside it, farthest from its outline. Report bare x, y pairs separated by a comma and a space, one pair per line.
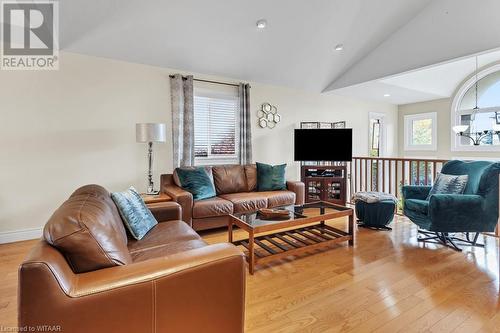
325, 183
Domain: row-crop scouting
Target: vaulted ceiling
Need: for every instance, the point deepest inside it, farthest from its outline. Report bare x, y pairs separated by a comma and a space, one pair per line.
380, 37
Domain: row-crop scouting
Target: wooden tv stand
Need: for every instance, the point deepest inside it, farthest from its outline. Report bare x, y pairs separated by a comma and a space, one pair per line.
325, 183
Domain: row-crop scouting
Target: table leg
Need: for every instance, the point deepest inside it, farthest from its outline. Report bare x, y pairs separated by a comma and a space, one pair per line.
251, 254
322, 223
351, 230
230, 231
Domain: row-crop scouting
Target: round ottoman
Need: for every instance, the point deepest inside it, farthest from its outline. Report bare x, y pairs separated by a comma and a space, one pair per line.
375, 215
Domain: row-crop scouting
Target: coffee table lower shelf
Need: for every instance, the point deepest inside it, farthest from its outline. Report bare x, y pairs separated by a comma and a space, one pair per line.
266, 248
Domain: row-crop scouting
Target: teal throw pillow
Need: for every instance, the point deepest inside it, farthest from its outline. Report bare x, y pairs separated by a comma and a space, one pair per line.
270, 177
197, 181
135, 215
449, 184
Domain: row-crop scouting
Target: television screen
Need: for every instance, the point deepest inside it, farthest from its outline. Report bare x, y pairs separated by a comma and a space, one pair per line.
323, 144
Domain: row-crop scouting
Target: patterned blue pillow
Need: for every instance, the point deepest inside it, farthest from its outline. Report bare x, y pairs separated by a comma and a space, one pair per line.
449, 184
135, 215
270, 177
197, 181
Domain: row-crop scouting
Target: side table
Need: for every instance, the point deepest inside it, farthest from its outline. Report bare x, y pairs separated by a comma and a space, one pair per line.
163, 207
150, 198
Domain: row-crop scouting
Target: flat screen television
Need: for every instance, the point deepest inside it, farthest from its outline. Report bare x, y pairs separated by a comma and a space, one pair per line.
323, 144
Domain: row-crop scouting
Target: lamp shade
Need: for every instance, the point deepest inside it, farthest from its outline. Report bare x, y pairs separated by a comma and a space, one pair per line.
151, 132
460, 128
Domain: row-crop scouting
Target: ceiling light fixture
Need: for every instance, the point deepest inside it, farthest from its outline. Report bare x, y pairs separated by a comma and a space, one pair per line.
469, 131
261, 24
339, 47
387, 95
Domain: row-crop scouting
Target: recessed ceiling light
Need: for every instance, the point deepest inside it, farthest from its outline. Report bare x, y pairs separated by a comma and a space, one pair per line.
387, 95
261, 24
339, 47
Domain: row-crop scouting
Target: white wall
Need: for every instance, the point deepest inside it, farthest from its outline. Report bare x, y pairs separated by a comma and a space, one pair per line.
63, 129
276, 145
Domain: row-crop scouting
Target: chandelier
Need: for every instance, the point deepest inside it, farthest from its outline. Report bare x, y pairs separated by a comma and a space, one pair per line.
475, 137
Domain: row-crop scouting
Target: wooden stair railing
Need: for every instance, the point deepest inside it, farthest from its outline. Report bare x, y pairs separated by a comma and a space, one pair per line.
387, 174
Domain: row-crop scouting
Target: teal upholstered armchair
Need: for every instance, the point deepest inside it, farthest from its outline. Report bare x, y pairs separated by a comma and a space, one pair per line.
474, 211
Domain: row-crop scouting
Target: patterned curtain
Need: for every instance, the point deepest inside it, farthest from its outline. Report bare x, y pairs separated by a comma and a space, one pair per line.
181, 89
245, 125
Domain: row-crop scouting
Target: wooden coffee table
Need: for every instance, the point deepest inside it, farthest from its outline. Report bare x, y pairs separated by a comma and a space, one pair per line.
302, 231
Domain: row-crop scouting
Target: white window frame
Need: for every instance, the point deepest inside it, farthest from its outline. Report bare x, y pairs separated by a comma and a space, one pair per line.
456, 113
408, 131
220, 159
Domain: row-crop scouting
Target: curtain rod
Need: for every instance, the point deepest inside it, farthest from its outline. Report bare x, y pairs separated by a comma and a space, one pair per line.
209, 81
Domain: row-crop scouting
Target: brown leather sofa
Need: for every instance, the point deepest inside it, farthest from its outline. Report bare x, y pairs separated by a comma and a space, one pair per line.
235, 186
87, 275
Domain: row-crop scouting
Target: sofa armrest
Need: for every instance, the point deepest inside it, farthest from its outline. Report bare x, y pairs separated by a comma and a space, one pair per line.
166, 211
200, 290
154, 269
456, 212
183, 198
299, 189
416, 192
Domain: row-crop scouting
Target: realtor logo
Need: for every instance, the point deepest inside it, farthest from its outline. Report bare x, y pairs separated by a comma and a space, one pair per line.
30, 36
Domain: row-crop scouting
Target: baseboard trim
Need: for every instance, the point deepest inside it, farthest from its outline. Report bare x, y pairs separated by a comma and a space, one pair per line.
20, 235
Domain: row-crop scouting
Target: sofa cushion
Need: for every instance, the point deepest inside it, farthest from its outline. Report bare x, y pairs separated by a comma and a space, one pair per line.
449, 184
421, 206
168, 249
212, 207
175, 176
99, 191
135, 215
251, 174
279, 198
165, 239
270, 177
246, 201
88, 231
229, 179
198, 182
162, 234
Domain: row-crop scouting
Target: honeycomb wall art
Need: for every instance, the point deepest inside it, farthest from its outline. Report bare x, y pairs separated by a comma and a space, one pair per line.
268, 116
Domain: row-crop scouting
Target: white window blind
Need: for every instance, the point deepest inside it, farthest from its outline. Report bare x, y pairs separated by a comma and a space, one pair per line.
216, 126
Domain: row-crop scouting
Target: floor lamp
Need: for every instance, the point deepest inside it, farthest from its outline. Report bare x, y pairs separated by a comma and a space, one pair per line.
149, 133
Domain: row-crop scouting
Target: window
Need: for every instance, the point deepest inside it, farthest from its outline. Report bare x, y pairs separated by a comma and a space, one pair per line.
484, 119
216, 110
420, 131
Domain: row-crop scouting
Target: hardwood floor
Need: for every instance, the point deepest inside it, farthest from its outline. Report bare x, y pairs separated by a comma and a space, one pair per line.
386, 283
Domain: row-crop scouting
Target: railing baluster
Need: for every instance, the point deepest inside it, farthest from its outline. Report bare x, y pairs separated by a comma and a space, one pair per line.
403, 173
390, 176
350, 181
383, 175
361, 175
426, 177
418, 173
355, 175
434, 171
366, 174
396, 184
370, 174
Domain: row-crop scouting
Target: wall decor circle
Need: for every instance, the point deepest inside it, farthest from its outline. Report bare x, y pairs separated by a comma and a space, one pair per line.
268, 116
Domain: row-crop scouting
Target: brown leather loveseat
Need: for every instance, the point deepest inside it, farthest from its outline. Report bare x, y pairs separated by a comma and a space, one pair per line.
87, 275
236, 189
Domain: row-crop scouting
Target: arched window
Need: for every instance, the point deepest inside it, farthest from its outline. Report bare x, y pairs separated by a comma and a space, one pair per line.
484, 118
